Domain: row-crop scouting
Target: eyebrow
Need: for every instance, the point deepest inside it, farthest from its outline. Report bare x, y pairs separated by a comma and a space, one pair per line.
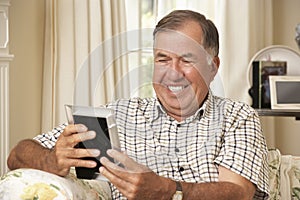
160, 54
187, 55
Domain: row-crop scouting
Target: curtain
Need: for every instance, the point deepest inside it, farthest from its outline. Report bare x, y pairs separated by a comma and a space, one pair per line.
245, 28
83, 57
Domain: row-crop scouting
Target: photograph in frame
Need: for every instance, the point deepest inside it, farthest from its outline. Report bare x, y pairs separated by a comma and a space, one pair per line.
284, 92
260, 90
102, 121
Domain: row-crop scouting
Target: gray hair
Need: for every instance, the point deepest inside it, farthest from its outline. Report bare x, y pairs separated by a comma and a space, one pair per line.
177, 18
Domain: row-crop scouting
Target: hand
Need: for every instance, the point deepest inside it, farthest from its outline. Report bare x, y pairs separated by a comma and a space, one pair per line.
135, 181
65, 155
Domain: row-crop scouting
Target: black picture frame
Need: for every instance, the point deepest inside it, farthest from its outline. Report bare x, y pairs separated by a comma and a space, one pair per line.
102, 121
260, 90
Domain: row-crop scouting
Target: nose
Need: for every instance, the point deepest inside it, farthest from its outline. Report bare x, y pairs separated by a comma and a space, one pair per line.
175, 71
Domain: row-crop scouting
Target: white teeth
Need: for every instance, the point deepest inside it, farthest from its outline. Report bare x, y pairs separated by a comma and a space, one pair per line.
176, 88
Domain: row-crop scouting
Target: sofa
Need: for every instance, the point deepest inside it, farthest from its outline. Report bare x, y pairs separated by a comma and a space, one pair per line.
31, 184
284, 176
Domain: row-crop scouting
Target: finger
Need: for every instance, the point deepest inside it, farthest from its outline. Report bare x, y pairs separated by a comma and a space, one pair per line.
120, 183
119, 172
74, 128
81, 163
118, 176
67, 154
112, 166
121, 157
81, 137
80, 153
72, 140
66, 158
126, 182
73, 157
129, 163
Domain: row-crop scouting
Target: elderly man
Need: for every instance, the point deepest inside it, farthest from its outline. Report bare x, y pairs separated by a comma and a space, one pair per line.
185, 143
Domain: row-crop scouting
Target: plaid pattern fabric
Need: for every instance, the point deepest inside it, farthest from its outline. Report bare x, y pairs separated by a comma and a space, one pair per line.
222, 132
49, 139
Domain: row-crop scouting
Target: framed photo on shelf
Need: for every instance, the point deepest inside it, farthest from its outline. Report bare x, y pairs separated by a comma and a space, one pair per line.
284, 92
260, 90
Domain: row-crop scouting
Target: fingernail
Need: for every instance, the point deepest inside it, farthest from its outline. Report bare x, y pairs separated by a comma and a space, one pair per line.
81, 128
94, 152
92, 164
110, 152
91, 134
101, 169
103, 160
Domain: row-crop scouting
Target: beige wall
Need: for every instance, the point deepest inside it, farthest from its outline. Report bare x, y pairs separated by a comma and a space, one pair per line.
25, 81
286, 17
26, 43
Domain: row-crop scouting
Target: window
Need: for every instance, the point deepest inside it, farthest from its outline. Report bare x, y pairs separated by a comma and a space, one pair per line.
140, 23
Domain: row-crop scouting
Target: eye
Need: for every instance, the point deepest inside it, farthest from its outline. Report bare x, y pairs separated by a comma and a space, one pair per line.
187, 61
163, 60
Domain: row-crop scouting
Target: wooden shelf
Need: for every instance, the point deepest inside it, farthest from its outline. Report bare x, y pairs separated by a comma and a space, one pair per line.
279, 113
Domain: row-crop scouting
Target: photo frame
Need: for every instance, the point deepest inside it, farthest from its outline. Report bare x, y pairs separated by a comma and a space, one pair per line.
284, 92
102, 121
260, 90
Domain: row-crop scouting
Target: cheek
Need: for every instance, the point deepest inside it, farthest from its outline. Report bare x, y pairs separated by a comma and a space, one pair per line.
158, 74
202, 76
198, 79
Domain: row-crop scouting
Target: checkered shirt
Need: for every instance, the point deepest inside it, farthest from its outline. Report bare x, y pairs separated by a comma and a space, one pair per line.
222, 132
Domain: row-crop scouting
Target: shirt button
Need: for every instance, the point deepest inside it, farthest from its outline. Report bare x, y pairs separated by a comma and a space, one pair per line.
176, 150
181, 169
201, 113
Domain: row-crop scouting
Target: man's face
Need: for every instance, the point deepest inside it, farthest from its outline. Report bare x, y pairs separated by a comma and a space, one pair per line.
183, 70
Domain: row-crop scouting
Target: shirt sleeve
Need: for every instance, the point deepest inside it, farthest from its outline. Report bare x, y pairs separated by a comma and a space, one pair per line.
244, 149
49, 139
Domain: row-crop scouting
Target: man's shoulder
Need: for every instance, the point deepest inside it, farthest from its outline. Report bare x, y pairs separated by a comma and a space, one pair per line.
233, 107
133, 109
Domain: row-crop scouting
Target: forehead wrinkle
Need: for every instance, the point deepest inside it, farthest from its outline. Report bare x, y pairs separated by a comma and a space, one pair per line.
187, 47
172, 36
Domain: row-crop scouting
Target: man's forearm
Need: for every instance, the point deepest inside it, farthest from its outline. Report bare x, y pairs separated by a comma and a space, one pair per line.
212, 191
29, 154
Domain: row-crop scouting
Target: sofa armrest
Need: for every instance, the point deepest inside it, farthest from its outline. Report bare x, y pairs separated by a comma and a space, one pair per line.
36, 184
284, 176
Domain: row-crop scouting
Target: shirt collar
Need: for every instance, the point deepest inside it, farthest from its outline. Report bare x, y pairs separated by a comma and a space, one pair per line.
203, 111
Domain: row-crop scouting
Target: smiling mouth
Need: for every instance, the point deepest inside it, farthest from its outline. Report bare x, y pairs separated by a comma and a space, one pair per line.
176, 89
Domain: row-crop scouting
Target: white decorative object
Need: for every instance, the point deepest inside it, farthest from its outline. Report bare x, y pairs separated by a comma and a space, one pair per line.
277, 53
5, 58
284, 91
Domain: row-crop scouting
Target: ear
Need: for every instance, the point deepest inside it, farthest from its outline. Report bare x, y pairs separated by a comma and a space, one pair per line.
215, 65
216, 60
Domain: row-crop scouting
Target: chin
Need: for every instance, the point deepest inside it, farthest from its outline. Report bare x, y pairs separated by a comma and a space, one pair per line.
184, 107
